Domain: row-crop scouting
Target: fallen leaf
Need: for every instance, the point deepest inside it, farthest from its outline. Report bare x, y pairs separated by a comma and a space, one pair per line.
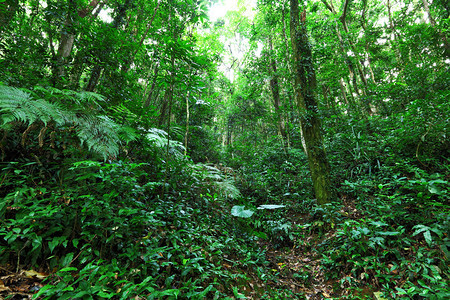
378, 296
34, 274
3, 287
325, 294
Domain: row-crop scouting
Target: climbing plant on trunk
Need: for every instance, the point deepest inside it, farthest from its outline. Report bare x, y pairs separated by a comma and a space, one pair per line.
305, 84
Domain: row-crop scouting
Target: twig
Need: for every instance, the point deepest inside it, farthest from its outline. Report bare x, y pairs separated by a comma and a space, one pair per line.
80, 252
18, 255
4, 177
6, 270
418, 145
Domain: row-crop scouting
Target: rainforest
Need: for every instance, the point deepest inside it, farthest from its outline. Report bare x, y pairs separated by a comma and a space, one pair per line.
224, 149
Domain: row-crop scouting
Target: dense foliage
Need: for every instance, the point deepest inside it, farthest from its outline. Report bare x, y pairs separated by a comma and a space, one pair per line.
148, 152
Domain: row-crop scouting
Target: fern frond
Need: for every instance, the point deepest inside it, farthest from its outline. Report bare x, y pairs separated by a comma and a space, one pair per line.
100, 136
18, 105
99, 133
159, 138
228, 189
90, 98
126, 133
225, 187
46, 112
125, 113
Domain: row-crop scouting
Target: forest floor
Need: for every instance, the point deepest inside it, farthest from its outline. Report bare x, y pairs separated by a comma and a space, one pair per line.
297, 269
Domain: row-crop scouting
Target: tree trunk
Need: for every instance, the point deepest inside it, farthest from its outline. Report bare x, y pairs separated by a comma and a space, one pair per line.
152, 89
126, 66
433, 24
97, 69
275, 88
344, 94
68, 37
165, 104
305, 95
343, 20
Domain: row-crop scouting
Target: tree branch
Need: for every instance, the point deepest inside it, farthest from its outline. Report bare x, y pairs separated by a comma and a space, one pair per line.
83, 12
344, 12
330, 7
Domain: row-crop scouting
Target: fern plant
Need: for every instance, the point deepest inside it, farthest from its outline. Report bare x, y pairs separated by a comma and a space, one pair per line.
160, 139
59, 109
207, 174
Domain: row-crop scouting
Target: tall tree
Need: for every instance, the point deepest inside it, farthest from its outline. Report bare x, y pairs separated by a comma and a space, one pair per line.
305, 85
275, 88
119, 19
66, 42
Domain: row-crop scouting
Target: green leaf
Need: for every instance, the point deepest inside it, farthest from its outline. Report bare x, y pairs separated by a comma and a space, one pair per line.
445, 250
52, 245
378, 223
42, 291
240, 211
378, 296
390, 233
270, 206
434, 189
428, 238
105, 295
68, 269
65, 261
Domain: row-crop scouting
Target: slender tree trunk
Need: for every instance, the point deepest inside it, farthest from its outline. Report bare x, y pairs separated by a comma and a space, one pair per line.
343, 19
152, 89
394, 35
163, 110
126, 66
344, 94
307, 103
275, 88
363, 25
351, 62
68, 36
348, 62
186, 134
97, 69
433, 24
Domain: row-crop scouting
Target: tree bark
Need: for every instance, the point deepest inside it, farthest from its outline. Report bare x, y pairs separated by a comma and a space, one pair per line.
126, 66
343, 19
275, 88
97, 69
152, 89
305, 79
433, 24
349, 61
68, 37
363, 25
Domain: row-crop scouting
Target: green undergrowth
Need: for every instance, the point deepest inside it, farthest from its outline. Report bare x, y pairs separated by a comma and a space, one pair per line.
109, 234
144, 221
387, 233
